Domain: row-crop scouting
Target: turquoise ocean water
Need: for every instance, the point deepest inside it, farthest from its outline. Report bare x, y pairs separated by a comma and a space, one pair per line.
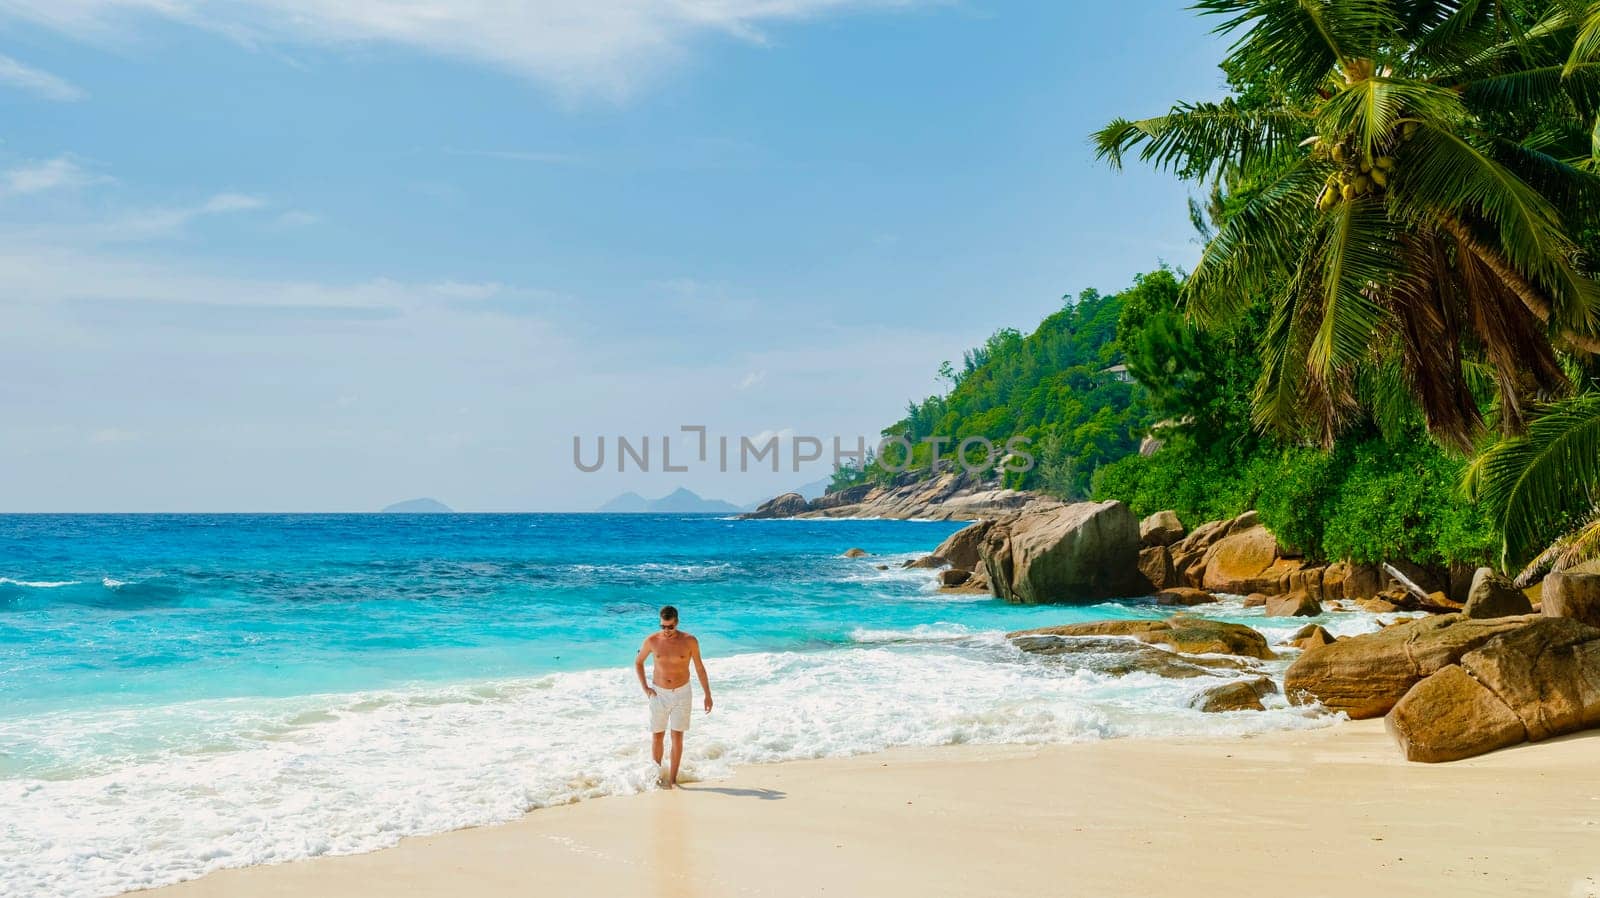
183, 693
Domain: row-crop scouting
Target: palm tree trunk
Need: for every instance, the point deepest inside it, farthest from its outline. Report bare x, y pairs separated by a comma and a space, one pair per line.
1530, 295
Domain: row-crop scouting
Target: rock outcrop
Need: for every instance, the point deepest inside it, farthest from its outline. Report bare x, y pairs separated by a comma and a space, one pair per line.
961, 548
953, 495
1531, 683
1492, 595
1119, 657
1072, 553
1366, 675
785, 506
1160, 529
1572, 595
927, 562
1189, 635
856, 553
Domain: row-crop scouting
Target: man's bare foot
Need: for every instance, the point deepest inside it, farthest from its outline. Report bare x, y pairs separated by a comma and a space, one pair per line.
661, 778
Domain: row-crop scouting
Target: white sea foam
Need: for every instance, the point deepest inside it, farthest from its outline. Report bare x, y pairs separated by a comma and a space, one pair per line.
131, 798
112, 582
37, 584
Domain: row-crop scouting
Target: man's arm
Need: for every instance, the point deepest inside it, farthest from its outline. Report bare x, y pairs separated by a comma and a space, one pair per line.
700, 671
638, 668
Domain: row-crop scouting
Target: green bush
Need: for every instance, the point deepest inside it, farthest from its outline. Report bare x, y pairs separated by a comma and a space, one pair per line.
1367, 500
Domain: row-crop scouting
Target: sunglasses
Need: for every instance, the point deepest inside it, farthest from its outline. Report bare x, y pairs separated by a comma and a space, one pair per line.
671, 626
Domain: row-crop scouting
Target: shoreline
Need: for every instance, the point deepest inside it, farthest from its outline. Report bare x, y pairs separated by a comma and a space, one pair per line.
1325, 812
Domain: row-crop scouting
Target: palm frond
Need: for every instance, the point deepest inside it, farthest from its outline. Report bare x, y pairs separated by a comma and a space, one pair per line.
1536, 486
1441, 173
1586, 45
1356, 256
1305, 41
1253, 250
1199, 139
1371, 108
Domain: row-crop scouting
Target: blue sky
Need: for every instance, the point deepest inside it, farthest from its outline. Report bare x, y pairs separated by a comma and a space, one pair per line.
297, 255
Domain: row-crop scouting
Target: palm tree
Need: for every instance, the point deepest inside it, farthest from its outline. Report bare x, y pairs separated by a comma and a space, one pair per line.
1421, 182
1545, 485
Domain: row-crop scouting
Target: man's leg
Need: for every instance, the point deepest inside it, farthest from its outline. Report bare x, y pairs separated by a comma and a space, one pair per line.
677, 755
656, 745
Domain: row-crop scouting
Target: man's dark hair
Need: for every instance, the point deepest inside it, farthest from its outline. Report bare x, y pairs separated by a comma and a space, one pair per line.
669, 613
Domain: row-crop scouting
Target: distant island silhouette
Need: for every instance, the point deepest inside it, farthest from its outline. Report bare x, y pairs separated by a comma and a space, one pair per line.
419, 506
679, 501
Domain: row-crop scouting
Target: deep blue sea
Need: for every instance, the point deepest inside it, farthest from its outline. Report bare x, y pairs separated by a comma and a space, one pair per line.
182, 693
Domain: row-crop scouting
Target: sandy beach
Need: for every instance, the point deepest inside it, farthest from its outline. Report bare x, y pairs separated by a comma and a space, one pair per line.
1332, 812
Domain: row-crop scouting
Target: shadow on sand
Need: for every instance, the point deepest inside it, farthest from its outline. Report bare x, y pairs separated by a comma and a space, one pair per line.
763, 794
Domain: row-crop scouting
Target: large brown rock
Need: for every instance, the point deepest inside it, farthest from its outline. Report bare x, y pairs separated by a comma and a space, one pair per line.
961, 547
1238, 695
1160, 529
1311, 636
1155, 565
1491, 595
1190, 635
1535, 682
1365, 675
1244, 561
1547, 673
1572, 595
1354, 581
856, 553
1083, 552
1295, 604
1450, 716
1184, 596
954, 577
927, 562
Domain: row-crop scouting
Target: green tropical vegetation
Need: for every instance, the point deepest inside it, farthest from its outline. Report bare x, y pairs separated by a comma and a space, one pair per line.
1060, 386
1406, 192
1391, 343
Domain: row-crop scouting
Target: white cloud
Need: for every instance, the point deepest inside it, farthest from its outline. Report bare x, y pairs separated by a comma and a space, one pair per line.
97, 282
51, 174
152, 224
752, 379
39, 83
579, 46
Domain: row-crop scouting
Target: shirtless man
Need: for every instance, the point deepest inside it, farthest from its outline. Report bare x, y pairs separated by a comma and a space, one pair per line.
670, 696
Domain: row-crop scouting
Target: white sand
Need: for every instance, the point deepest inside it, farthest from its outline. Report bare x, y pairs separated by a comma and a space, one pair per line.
1292, 815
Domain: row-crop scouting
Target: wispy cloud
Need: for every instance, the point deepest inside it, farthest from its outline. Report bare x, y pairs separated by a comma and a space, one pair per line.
50, 174
153, 224
576, 46
37, 82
